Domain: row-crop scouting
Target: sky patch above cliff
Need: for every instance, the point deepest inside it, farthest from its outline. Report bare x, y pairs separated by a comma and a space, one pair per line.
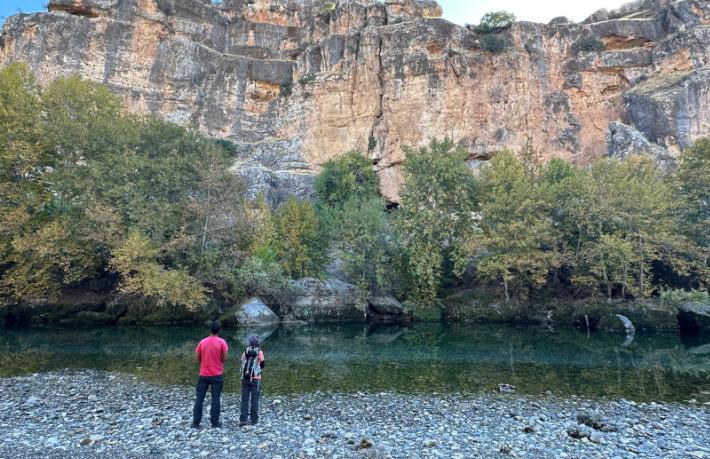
459, 11
470, 11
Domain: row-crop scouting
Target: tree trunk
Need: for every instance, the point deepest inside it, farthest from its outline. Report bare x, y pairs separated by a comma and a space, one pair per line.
641, 277
207, 217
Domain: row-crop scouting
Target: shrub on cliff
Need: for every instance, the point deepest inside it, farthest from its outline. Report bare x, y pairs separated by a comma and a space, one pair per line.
589, 44
494, 43
495, 21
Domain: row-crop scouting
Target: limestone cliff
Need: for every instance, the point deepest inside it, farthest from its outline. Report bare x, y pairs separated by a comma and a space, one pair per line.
295, 83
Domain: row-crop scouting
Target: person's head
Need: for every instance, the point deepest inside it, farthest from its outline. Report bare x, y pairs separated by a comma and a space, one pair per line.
253, 340
215, 327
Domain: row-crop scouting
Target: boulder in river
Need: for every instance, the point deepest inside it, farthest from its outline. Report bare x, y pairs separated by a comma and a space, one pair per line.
329, 300
387, 309
251, 312
694, 318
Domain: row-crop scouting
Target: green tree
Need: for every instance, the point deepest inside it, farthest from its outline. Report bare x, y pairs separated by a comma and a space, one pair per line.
301, 245
614, 206
437, 217
693, 185
364, 239
518, 237
345, 177
136, 260
495, 21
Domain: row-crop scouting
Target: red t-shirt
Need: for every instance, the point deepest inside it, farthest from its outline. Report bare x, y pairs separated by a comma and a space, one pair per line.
211, 351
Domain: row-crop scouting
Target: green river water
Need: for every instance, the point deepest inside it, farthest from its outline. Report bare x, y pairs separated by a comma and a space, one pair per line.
352, 358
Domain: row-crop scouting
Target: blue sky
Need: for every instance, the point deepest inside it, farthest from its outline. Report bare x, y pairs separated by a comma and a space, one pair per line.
461, 11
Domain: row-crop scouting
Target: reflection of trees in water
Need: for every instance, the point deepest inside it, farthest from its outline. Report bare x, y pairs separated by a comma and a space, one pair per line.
351, 358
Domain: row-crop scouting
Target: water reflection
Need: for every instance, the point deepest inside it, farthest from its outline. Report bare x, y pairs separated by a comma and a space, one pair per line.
351, 358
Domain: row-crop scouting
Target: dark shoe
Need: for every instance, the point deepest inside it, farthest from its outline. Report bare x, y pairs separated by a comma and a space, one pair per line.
253, 423
194, 426
217, 425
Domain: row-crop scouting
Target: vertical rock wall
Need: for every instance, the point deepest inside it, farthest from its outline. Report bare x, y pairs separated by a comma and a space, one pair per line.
295, 83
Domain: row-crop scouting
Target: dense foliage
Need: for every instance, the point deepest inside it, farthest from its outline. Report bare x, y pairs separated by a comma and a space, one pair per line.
89, 191
617, 229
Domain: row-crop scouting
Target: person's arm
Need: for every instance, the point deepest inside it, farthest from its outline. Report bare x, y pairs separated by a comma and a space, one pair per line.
198, 355
225, 352
261, 359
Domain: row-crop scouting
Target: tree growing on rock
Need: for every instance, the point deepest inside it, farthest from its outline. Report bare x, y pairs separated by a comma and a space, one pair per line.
495, 21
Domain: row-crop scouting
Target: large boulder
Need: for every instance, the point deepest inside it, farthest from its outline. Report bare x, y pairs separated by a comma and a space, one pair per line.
694, 318
329, 300
251, 312
385, 305
387, 309
623, 141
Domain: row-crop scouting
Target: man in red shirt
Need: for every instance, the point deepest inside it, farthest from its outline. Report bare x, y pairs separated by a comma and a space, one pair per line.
211, 353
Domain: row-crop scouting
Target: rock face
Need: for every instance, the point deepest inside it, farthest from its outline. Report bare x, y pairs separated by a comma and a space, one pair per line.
330, 300
297, 83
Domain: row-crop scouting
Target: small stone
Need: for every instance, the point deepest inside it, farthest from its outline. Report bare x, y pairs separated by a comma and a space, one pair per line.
365, 443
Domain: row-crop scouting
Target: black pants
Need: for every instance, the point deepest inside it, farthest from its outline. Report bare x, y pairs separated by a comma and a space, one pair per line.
215, 383
250, 390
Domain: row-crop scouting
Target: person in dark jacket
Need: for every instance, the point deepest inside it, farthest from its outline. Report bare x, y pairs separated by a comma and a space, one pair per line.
252, 366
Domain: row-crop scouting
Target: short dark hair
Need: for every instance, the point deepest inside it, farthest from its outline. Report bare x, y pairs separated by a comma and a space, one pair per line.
215, 327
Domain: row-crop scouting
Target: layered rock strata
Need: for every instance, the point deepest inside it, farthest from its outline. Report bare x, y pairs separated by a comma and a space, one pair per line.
295, 83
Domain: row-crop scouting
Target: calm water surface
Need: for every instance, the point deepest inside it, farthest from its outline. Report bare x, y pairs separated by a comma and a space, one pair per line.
350, 358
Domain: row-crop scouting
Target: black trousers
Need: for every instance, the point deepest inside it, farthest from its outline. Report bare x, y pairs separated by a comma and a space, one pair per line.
251, 390
215, 384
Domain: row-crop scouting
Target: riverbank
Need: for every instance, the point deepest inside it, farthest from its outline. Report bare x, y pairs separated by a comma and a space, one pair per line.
88, 413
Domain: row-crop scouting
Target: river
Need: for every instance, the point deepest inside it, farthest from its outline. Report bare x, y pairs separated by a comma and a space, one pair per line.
355, 358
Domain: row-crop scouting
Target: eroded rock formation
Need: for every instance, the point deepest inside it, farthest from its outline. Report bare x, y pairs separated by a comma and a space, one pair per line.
295, 83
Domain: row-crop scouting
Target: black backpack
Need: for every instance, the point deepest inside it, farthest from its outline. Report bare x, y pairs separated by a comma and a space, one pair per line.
250, 366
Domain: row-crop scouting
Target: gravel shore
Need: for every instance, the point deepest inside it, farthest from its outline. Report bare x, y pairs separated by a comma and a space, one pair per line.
86, 413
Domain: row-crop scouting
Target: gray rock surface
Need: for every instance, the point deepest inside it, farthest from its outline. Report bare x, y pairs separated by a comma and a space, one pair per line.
252, 312
386, 305
329, 300
623, 140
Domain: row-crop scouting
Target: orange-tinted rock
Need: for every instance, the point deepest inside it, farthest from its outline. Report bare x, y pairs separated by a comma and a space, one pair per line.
297, 83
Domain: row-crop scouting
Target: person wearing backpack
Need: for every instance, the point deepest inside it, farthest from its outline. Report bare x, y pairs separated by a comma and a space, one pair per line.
252, 364
211, 353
